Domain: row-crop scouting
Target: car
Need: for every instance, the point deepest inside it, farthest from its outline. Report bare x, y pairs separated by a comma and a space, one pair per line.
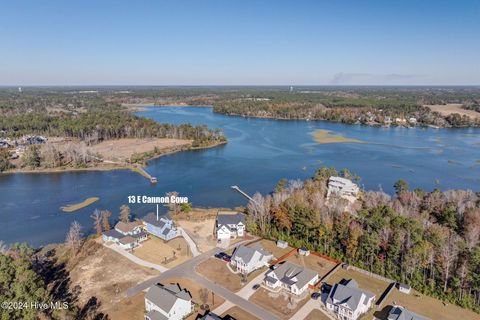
256, 286
220, 255
316, 295
226, 258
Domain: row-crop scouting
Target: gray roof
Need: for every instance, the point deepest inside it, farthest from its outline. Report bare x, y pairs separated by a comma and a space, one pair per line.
347, 292
151, 218
247, 253
226, 219
401, 313
287, 270
139, 235
210, 316
155, 315
114, 234
165, 296
166, 231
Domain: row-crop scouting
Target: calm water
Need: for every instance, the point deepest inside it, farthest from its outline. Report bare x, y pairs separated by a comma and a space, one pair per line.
259, 153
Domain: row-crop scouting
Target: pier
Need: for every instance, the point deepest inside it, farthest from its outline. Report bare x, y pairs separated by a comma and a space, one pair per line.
236, 188
144, 173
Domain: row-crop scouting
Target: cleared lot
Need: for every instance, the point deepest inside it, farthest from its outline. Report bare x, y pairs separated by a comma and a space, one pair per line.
169, 254
217, 271
364, 281
318, 264
271, 246
239, 313
425, 306
278, 303
129, 309
317, 315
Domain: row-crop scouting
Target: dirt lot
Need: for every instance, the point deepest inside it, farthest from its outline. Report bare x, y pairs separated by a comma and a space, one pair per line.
271, 246
365, 282
129, 308
122, 149
316, 315
423, 305
216, 270
201, 232
156, 250
447, 109
277, 303
318, 264
105, 274
239, 313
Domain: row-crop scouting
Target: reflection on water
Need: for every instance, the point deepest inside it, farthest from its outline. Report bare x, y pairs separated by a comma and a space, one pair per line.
259, 153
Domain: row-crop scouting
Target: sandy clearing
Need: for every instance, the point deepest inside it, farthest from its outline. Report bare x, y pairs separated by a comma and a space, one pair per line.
446, 109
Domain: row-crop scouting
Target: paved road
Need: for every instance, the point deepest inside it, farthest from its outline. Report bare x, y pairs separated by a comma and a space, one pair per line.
187, 270
191, 243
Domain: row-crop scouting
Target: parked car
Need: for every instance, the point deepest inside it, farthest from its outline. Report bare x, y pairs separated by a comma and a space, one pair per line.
316, 295
226, 258
256, 286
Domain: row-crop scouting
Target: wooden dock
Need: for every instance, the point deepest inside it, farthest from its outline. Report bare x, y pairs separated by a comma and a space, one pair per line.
144, 173
236, 188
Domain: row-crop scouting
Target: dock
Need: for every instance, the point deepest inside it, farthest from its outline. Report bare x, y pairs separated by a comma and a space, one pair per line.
236, 188
144, 173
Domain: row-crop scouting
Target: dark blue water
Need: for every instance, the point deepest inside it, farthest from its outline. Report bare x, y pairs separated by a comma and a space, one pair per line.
259, 153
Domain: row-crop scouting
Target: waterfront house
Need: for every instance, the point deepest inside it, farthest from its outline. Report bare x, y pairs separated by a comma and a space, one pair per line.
128, 243
230, 225
401, 313
247, 259
342, 187
112, 236
126, 235
282, 244
347, 301
162, 227
290, 277
167, 302
133, 229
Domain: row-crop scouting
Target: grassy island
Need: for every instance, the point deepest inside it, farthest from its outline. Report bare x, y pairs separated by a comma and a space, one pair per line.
81, 205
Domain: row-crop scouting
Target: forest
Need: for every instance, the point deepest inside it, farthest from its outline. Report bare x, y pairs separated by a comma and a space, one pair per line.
429, 240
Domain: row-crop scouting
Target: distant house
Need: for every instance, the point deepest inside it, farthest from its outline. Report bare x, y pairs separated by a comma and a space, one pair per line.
229, 225
348, 301
247, 259
401, 313
412, 120
342, 187
163, 228
126, 235
404, 288
169, 302
291, 277
282, 244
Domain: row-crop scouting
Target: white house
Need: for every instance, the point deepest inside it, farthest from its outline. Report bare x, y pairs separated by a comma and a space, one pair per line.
342, 187
401, 313
247, 259
230, 225
161, 227
348, 301
291, 277
169, 302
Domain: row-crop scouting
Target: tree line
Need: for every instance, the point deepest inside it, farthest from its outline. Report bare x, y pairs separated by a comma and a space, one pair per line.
429, 240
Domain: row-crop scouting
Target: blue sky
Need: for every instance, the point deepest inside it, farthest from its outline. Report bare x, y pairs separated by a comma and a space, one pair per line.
244, 42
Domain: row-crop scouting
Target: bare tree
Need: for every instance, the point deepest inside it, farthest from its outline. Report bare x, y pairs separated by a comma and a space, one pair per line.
125, 213
105, 216
259, 208
97, 221
174, 207
74, 237
204, 293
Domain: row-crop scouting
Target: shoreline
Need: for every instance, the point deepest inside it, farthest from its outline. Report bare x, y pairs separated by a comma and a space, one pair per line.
109, 166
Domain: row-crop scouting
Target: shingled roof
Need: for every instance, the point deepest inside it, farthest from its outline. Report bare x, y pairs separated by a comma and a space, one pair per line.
165, 296
347, 293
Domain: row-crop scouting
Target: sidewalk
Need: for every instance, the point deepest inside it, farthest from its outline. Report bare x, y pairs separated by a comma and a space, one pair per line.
308, 307
191, 243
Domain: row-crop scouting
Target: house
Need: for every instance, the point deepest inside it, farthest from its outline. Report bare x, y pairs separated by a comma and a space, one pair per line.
282, 244
388, 120
291, 277
126, 235
162, 227
342, 187
303, 251
169, 302
348, 301
401, 313
247, 259
412, 120
404, 288
229, 225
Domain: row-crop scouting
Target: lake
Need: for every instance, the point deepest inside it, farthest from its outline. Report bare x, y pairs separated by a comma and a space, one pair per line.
259, 153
